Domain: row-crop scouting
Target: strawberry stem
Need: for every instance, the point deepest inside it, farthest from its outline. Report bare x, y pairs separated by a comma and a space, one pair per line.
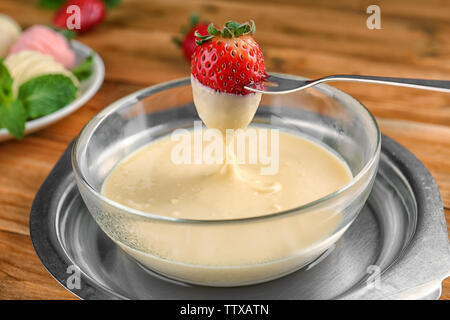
232, 29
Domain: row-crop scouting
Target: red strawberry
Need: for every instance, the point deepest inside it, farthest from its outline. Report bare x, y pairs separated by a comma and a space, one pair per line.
229, 59
92, 13
187, 43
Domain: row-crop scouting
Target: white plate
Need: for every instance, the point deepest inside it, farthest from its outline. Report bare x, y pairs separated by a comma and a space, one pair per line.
88, 88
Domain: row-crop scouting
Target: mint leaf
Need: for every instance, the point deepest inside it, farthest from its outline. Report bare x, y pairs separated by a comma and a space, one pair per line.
46, 94
111, 3
84, 69
6, 93
12, 113
50, 4
13, 117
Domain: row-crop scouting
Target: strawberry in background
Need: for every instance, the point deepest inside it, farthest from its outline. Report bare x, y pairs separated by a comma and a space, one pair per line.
187, 41
92, 12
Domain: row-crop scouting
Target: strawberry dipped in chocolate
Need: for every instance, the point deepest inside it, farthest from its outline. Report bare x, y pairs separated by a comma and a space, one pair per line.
224, 62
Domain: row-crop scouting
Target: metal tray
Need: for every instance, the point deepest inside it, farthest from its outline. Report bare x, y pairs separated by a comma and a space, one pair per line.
397, 248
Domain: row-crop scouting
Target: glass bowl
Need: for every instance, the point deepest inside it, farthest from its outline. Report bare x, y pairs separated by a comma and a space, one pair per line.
250, 250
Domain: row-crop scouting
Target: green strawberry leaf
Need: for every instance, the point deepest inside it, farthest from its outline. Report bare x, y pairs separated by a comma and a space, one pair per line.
227, 33
111, 3
194, 19
50, 4
46, 94
56, 4
13, 117
177, 41
84, 69
244, 28
232, 29
232, 25
213, 31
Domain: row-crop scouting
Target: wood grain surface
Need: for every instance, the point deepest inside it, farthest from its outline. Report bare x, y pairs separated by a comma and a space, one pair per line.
310, 38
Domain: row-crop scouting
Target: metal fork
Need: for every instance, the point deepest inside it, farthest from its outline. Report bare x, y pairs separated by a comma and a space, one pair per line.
279, 84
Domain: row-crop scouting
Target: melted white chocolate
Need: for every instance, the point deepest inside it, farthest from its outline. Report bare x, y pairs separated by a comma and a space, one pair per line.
150, 181
229, 253
223, 110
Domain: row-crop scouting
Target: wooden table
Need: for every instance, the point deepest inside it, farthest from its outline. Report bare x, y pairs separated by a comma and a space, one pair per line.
310, 38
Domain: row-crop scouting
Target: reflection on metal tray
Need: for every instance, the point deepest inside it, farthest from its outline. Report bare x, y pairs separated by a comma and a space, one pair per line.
397, 248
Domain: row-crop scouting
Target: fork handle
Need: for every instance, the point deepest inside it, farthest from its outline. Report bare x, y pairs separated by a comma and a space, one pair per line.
437, 85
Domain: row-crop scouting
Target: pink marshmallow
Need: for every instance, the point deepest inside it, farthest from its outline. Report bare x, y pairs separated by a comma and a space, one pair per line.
46, 41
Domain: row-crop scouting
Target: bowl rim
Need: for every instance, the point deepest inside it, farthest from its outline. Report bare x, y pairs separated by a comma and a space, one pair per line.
136, 96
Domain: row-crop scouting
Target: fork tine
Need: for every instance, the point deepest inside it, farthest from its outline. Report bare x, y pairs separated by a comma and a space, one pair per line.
275, 84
